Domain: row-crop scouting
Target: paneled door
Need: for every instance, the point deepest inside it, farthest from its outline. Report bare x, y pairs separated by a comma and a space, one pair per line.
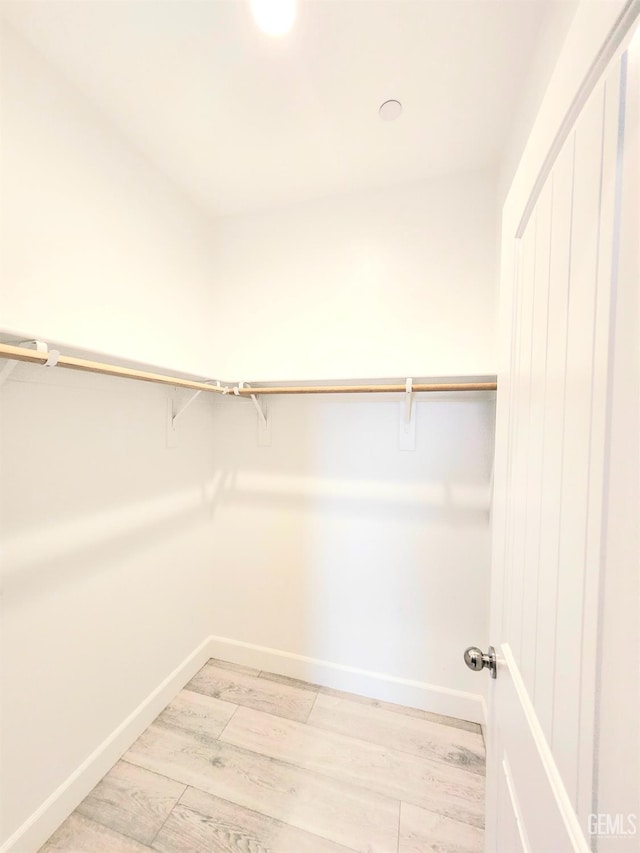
553, 489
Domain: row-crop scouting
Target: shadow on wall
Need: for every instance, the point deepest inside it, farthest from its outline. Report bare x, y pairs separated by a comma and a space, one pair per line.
89, 484
449, 503
53, 554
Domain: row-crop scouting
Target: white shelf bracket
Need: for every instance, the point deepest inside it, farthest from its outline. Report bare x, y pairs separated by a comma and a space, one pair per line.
264, 423
259, 410
174, 413
39, 346
179, 412
407, 427
408, 405
255, 402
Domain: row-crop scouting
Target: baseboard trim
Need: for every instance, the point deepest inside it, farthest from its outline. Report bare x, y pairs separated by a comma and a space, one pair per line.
47, 818
376, 685
389, 688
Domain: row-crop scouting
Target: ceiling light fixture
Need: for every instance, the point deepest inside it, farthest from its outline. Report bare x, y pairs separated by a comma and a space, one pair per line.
274, 17
390, 110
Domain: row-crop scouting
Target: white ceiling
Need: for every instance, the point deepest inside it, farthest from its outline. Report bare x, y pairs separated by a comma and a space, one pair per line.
243, 121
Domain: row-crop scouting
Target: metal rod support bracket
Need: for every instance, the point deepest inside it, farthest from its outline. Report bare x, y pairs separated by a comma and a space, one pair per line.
254, 400
177, 414
39, 346
408, 400
407, 422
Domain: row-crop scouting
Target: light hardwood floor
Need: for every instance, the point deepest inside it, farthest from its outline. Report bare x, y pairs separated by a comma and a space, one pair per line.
244, 761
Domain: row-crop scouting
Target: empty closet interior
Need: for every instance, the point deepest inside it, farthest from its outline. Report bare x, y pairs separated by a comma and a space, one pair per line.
249, 358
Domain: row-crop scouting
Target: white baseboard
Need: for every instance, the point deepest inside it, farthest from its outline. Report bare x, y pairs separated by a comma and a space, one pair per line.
56, 808
389, 688
376, 685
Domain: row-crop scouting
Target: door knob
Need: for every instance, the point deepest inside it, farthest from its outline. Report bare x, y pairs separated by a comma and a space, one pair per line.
476, 659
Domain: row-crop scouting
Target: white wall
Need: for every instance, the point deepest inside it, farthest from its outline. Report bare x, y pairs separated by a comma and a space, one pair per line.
387, 283
106, 542
336, 545
102, 253
107, 576
553, 33
99, 250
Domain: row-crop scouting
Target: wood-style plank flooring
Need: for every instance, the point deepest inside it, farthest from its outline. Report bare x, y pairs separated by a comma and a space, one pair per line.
244, 761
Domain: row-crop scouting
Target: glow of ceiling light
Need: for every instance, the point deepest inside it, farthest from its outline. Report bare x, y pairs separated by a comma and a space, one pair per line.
274, 17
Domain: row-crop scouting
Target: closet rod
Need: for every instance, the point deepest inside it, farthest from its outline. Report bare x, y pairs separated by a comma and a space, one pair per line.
24, 354
367, 389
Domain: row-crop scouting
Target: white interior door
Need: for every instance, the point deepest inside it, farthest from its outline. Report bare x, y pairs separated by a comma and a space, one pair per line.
553, 492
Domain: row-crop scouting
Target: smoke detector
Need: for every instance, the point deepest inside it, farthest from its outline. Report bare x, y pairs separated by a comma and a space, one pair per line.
390, 110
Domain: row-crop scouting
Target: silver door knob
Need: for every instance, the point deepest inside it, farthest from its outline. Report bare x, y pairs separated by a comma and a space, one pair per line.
476, 659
